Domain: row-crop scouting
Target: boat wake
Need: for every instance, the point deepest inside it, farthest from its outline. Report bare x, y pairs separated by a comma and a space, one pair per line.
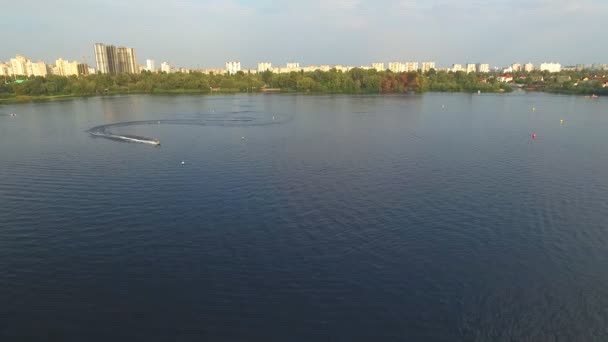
106, 131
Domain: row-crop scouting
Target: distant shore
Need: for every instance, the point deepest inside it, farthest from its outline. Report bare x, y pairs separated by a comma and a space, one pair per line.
51, 98
353, 82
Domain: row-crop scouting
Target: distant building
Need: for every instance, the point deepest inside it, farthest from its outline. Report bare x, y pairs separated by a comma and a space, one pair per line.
505, 78
471, 68
482, 68
411, 66
150, 65
378, 66
92, 71
516, 67
65, 68
113, 60
39, 69
457, 67
550, 67
528, 67
19, 65
165, 67
426, 66
396, 67
233, 67
293, 65
342, 68
83, 69
264, 66
5, 69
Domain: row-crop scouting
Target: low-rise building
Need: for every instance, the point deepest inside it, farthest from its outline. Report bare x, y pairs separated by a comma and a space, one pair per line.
528, 67
457, 67
165, 67
505, 78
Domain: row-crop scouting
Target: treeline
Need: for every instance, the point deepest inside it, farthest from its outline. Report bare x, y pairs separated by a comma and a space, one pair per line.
584, 82
355, 81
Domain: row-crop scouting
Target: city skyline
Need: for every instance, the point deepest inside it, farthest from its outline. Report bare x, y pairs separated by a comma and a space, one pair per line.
110, 59
207, 33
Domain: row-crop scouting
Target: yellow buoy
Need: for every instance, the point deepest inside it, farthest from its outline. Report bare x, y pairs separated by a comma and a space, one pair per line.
534, 109
561, 122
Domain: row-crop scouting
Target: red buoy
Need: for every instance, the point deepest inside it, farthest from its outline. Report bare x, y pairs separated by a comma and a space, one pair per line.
533, 135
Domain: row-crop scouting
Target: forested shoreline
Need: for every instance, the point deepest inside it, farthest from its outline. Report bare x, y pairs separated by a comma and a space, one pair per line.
355, 81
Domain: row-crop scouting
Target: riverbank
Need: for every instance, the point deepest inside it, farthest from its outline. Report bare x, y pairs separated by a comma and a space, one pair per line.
52, 98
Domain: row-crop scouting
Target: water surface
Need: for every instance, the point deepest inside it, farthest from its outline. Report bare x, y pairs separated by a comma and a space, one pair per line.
433, 217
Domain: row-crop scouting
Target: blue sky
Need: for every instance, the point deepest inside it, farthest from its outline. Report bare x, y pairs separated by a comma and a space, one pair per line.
206, 33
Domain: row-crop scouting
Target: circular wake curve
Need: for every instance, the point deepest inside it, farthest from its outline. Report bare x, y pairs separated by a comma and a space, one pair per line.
105, 131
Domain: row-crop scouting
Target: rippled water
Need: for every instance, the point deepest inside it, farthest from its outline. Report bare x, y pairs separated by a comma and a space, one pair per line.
432, 217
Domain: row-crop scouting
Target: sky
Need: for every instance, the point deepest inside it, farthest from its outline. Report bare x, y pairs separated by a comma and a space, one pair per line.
207, 33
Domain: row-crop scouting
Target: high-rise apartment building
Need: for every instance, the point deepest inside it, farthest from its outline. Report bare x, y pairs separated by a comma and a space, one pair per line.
471, 68
293, 65
411, 66
264, 66
426, 66
396, 66
482, 68
115, 60
165, 67
5, 69
19, 65
150, 65
233, 67
457, 67
65, 68
38, 69
550, 67
528, 67
516, 67
83, 69
378, 66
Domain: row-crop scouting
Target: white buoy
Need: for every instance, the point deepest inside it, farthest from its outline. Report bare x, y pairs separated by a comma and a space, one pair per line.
242, 138
273, 118
183, 162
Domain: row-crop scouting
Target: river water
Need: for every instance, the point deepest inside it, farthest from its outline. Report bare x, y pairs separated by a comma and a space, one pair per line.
305, 218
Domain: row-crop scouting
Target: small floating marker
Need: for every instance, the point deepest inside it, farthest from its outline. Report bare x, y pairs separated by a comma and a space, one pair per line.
533, 135
242, 138
561, 122
273, 118
183, 162
442, 106
534, 109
